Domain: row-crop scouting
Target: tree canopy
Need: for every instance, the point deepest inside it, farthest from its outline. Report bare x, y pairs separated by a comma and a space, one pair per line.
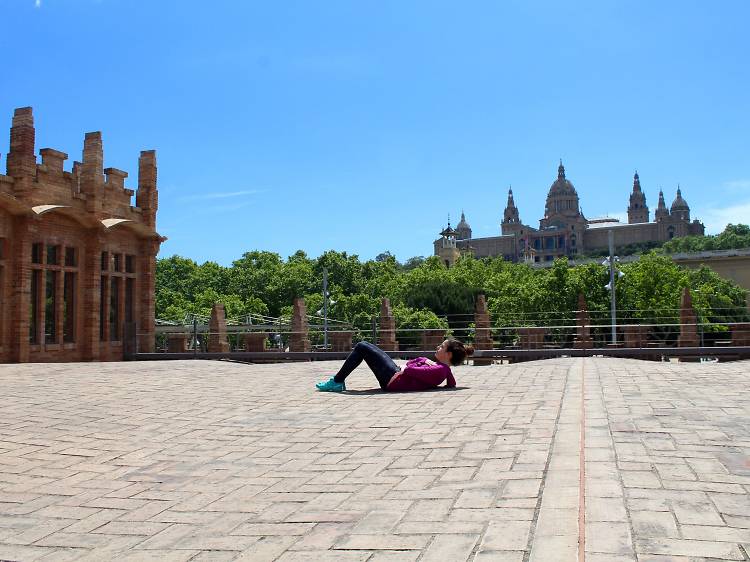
427, 294
734, 237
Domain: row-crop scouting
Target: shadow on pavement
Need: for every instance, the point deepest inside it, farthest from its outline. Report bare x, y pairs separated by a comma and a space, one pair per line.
380, 391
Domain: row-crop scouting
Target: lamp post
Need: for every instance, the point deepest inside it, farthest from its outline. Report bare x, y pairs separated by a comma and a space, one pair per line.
325, 309
613, 274
613, 299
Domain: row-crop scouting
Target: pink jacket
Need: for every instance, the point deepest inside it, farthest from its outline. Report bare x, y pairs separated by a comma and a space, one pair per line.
418, 374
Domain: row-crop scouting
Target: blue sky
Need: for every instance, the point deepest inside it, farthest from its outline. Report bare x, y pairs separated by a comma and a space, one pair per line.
359, 126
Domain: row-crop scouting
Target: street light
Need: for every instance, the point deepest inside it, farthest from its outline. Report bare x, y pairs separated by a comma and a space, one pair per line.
325, 308
613, 274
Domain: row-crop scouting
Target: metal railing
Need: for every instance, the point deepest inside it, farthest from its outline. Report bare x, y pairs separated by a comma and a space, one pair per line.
533, 336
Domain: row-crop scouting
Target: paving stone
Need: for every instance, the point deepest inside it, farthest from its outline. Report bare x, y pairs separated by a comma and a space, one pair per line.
453, 547
191, 460
554, 548
690, 548
498, 556
506, 535
654, 524
608, 538
605, 509
383, 542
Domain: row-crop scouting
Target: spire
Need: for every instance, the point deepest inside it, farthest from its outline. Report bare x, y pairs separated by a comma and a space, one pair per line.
637, 210
510, 216
661, 209
463, 230
561, 171
662, 203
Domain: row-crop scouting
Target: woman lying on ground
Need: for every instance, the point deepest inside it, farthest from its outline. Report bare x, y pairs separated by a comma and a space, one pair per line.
418, 374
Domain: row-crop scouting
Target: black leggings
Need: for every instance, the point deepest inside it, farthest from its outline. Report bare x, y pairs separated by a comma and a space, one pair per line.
377, 359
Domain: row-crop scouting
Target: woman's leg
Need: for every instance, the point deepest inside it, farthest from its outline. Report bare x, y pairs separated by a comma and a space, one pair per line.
377, 359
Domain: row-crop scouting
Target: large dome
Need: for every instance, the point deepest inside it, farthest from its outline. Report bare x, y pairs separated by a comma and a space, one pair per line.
561, 186
562, 199
679, 204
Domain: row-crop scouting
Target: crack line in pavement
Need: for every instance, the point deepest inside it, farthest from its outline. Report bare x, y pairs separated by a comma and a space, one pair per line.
582, 473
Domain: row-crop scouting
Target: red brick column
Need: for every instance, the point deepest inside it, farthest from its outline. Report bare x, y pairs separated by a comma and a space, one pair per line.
19, 278
145, 316
741, 334
688, 322
217, 330
583, 339
255, 342
387, 336
89, 272
21, 163
532, 338
298, 340
177, 343
431, 339
688, 325
636, 336
341, 341
482, 329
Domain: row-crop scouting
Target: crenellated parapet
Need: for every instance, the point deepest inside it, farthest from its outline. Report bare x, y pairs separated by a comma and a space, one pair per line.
79, 259
89, 190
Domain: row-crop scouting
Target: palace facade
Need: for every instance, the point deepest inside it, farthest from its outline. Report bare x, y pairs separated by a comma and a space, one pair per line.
565, 231
77, 260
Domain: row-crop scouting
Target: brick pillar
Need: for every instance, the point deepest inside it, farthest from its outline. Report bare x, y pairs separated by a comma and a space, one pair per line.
431, 339
583, 339
635, 336
145, 317
531, 338
688, 322
18, 277
60, 304
177, 343
89, 273
147, 196
387, 336
482, 330
741, 334
217, 328
341, 341
298, 340
92, 171
21, 162
255, 342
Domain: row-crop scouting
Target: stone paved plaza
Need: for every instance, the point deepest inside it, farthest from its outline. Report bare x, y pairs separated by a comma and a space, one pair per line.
573, 459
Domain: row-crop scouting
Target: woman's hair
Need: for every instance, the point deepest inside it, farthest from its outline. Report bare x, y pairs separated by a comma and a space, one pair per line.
458, 351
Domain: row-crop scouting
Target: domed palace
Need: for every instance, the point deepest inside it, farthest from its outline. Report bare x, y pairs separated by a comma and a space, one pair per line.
565, 231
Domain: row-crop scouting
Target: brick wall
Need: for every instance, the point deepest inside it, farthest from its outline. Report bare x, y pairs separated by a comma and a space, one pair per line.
77, 260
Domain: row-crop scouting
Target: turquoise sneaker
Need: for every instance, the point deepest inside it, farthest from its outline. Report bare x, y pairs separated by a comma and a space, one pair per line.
331, 386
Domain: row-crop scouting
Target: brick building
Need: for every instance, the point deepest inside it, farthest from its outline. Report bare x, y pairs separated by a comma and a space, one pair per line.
77, 260
565, 231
